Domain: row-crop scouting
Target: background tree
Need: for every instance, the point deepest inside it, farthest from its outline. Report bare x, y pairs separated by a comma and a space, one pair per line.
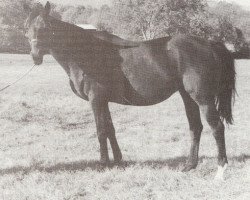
84, 16
77, 14
134, 19
101, 18
144, 19
227, 18
12, 19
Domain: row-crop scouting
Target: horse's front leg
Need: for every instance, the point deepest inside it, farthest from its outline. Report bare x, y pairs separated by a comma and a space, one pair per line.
111, 135
97, 106
105, 129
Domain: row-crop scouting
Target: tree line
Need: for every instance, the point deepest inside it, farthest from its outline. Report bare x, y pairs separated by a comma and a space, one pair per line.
134, 20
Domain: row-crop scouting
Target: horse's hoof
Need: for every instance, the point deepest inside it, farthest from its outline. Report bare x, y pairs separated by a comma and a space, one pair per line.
220, 173
188, 167
118, 162
105, 162
118, 159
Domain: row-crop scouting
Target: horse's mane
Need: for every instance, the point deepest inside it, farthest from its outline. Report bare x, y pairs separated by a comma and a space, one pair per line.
107, 40
36, 11
104, 38
65, 25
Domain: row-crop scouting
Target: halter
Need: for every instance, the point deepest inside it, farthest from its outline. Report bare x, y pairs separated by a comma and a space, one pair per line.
50, 34
34, 40
19, 79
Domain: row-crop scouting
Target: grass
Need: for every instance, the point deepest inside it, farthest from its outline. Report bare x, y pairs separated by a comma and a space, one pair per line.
49, 149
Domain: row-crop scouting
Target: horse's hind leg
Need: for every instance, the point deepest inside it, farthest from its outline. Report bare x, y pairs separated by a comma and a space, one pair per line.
217, 126
195, 126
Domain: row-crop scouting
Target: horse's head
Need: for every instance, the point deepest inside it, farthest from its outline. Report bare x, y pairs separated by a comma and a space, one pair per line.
38, 31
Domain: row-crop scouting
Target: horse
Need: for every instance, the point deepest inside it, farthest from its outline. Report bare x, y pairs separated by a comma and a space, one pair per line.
104, 68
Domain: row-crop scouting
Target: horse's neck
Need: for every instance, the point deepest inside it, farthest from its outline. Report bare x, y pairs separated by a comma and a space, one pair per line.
62, 59
74, 46
66, 34
67, 38
57, 24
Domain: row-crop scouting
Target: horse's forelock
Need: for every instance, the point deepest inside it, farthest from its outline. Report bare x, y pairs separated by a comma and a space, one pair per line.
37, 7
36, 10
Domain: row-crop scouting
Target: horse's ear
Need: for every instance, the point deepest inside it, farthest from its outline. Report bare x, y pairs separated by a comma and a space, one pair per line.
26, 8
47, 9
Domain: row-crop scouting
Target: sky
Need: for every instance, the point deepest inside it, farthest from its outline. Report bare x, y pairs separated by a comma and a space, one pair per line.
244, 3
97, 3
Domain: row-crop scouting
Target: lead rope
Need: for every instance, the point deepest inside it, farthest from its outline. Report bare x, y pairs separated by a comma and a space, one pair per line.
23, 76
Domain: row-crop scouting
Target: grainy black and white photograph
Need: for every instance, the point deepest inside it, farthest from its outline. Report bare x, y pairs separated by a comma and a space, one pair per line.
124, 100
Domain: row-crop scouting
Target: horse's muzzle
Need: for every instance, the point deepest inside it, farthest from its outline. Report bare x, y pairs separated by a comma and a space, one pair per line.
37, 57
38, 60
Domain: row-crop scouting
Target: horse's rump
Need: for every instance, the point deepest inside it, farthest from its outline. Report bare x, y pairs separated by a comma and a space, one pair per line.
207, 71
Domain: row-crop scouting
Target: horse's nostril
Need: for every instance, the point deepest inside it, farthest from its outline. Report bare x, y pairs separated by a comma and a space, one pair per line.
37, 59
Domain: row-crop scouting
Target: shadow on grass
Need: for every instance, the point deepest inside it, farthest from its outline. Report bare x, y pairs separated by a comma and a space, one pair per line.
173, 163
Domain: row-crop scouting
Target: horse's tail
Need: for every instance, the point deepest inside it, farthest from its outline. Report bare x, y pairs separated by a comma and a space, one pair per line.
225, 98
242, 54
241, 46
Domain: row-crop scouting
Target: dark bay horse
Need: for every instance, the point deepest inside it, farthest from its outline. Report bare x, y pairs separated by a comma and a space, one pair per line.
104, 68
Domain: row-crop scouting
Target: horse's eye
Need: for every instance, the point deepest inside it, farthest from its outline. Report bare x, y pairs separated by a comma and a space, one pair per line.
26, 29
42, 32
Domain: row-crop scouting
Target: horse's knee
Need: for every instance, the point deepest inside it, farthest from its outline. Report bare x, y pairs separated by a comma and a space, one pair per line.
195, 132
196, 128
211, 115
102, 136
218, 131
214, 121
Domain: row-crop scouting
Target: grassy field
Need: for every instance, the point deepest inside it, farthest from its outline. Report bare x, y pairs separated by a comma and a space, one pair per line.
49, 149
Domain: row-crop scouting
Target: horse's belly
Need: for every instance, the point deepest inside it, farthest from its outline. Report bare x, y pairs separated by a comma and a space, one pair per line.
145, 81
139, 100
150, 76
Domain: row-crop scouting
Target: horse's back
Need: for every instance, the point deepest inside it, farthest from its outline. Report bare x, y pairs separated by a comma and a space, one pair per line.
115, 40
